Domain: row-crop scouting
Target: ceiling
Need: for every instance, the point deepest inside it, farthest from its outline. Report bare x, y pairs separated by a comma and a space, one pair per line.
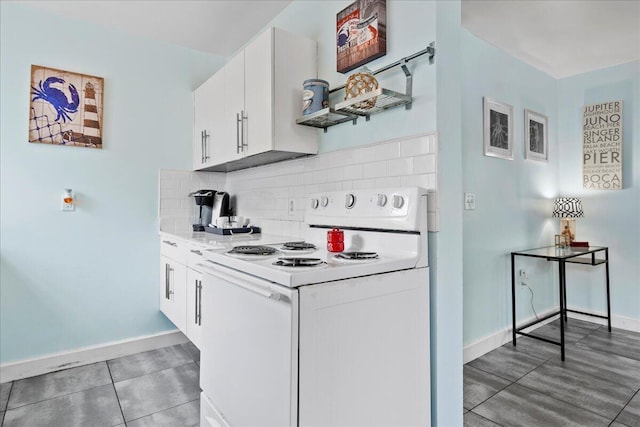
559, 37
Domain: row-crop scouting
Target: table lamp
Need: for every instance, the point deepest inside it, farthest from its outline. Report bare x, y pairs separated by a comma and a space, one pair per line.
568, 208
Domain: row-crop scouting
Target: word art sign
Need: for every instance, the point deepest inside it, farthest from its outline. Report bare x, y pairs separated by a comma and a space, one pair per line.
602, 146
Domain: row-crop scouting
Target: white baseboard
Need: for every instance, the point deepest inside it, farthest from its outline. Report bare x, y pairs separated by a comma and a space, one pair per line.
484, 345
86, 355
620, 322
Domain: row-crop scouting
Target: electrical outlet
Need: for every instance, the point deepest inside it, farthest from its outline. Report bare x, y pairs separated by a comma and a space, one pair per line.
524, 280
292, 205
469, 201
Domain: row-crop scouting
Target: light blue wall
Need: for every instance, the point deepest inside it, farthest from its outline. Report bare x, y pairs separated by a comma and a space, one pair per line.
78, 279
513, 205
612, 218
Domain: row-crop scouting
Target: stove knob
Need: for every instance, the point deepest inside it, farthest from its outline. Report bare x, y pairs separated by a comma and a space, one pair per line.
314, 203
382, 199
398, 201
350, 201
324, 201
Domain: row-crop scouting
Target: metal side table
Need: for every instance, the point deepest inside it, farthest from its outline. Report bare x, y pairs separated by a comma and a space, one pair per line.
584, 256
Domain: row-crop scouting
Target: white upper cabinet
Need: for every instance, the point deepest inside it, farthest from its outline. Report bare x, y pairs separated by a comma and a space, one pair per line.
256, 109
208, 101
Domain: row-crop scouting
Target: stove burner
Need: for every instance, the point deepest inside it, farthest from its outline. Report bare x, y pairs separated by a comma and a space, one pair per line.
298, 262
298, 246
253, 250
357, 255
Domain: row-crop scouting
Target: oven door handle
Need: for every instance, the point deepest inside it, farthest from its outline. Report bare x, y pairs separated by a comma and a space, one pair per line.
267, 293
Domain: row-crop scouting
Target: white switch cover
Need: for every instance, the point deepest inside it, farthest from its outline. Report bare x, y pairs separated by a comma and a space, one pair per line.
469, 201
67, 207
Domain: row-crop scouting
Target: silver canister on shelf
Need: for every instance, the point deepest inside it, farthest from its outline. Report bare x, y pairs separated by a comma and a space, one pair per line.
315, 96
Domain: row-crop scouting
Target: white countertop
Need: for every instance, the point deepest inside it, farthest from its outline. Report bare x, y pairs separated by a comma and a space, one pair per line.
217, 241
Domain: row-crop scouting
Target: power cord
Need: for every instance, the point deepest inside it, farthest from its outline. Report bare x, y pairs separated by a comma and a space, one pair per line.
531, 301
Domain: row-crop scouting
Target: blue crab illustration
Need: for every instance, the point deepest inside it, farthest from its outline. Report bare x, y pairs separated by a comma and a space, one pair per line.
57, 98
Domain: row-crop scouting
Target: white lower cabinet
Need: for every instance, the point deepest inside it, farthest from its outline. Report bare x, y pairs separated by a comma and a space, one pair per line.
173, 291
181, 286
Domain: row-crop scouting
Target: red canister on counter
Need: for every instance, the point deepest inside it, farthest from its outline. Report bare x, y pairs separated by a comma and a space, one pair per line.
335, 240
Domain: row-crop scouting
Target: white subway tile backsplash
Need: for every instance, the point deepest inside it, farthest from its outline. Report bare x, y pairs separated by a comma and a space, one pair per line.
374, 170
414, 147
265, 193
386, 182
353, 171
387, 150
398, 167
364, 155
424, 164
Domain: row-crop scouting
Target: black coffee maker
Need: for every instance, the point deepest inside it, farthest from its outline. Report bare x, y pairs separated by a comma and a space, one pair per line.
204, 199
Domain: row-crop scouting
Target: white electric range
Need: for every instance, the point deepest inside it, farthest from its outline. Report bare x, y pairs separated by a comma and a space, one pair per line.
295, 335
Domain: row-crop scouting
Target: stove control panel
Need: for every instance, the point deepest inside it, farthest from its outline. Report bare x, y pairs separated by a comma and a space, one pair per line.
396, 208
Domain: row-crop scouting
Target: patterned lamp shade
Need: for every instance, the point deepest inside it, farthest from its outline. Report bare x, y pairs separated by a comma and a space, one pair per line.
567, 207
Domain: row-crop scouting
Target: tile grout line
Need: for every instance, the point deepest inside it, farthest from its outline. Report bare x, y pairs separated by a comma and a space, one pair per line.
625, 405
162, 410
485, 418
58, 397
565, 402
4, 415
113, 384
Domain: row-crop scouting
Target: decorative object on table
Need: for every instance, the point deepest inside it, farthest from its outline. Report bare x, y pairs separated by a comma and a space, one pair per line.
561, 241
579, 244
536, 142
498, 129
315, 96
361, 34
361, 83
568, 208
65, 108
602, 146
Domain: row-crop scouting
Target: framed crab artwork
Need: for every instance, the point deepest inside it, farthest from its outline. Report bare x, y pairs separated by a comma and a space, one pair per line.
65, 108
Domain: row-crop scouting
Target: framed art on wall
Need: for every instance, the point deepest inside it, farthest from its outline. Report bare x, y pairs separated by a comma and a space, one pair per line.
498, 129
361, 34
65, 108
536, 143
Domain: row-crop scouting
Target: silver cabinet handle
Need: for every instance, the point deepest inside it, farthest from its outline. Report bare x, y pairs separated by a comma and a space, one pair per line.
206, 145
200, 303
171, 282
238, 124
242, 138
196, 252
196, 303
201, 146
170, 243
166, 281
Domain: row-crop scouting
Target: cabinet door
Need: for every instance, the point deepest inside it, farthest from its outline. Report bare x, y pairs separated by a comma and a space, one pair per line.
194, 306
258, 80
208, 104
173, 292
234, 107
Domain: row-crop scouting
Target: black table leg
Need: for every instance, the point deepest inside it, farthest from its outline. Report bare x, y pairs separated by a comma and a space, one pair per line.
513, 298
563, 308
606, 258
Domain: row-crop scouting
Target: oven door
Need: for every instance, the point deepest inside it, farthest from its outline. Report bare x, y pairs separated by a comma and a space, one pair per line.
249, 358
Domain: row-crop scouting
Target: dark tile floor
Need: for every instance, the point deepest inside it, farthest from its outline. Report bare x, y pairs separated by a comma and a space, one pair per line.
598, 384
152, 389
